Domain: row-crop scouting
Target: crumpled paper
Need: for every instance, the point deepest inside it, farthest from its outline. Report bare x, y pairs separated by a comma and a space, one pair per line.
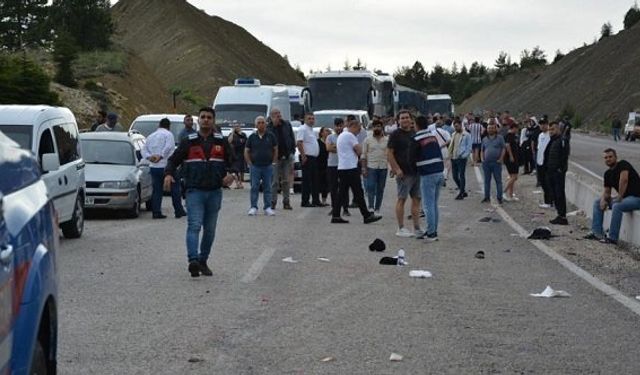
289, 260
395, 357
549, 292
420, 274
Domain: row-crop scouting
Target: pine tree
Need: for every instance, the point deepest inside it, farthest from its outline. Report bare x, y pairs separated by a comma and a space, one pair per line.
87, 21
64, 52
632, 17
606, 30
23, 82
23, 24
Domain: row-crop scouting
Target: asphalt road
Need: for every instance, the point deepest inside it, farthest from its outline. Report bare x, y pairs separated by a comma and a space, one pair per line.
586, 150
128, 305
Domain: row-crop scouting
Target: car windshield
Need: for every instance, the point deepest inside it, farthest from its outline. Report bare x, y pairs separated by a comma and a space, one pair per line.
244, 114
340, 93
147, 127
107, 152
21, 134
326, 121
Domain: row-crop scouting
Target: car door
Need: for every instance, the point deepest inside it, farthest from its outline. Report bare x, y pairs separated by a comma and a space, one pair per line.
66, 139
53, 179
6, 295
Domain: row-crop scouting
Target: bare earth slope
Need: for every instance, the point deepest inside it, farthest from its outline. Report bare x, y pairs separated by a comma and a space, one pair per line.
189, 49
596, 80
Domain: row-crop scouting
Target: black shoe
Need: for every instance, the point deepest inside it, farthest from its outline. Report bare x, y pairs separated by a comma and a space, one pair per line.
500, 201
431, 237
464, 194
204, 269
287, 206
459, 197
159, 216
273, 206
320, 204
194, 268
307, 205
339, 220
346, 213
180, 214
559, 221
372, 219
609, 241
592, 236
486, 200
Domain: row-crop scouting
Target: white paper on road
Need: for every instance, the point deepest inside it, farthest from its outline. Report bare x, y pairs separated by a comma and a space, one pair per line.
289, 260
549, 292
537, 192
322, 259
327, 359
395, 357
638, 298
420, 274
575, 213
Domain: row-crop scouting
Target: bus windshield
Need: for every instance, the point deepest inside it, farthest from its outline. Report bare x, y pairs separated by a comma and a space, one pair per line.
340, 93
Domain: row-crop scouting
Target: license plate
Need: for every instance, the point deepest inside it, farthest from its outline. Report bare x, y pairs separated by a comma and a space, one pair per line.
89, 200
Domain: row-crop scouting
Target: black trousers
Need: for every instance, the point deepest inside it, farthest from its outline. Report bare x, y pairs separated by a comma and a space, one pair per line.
332, 180
310, 181
350, 179
541, 174
556, 182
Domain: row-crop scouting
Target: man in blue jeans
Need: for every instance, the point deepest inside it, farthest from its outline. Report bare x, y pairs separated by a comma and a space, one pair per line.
261, 154
430, 167
460, 149
492, 155
206, 158
622, 177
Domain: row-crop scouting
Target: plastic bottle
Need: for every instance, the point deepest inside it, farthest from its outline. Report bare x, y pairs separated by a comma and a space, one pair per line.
401, 258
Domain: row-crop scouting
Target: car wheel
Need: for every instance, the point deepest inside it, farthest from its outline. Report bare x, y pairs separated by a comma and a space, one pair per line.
38, 361
74, 227
134, 212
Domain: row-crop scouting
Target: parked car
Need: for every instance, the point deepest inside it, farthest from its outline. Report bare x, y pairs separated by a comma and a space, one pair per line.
28, 281
51, 133
632, 127
147, 124
117, 178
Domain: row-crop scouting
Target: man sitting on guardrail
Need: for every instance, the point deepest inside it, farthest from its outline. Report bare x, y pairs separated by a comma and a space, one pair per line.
622, 177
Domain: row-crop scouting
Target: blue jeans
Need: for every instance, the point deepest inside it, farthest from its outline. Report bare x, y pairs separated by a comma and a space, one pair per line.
376, 180
157, 181
459, 168
202, 212
616, 134
263, 174
628, 204
492, 169
430, 188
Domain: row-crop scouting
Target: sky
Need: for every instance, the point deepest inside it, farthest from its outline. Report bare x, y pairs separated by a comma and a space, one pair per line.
388, 34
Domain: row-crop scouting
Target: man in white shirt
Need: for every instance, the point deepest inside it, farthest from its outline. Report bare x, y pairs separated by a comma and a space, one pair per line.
309, 149
541, 172
349, 174
157, 149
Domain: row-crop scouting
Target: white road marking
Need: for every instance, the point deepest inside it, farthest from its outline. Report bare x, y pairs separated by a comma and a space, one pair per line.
258, 265
586, 170
608, 290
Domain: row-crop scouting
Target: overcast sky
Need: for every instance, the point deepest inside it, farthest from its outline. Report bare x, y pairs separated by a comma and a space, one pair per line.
391, 33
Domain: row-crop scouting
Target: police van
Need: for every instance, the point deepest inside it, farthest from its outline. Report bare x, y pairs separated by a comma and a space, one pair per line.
51, 133
246, 100
28, 281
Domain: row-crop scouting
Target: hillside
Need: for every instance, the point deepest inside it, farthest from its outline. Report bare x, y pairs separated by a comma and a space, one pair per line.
595, 80
188, 49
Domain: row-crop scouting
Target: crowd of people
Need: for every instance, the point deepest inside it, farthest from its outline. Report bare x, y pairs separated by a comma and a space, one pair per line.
419, 152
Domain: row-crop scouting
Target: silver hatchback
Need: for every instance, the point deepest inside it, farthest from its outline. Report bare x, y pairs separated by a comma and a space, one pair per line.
115, 176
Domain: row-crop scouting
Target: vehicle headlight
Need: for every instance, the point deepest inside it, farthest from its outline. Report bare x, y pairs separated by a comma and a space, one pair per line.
116, 185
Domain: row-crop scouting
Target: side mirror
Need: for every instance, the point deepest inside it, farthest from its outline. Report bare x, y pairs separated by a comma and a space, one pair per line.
50, 162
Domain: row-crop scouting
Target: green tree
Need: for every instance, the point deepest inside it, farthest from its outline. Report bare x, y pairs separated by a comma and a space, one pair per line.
559, 56
23, 24
65, 51
359, 65
606, 30
632, 17
23, 82
534, 58
87, 21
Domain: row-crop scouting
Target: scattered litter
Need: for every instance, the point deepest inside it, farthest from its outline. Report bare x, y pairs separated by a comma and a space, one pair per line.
638, 298
548, 292
395, 357
480, 254
537, 192
195, 360
485, 219
377, 245
322, 259
540, 233
392, 261
420, 274
575, 213
515, 235
402, 260
572, 253
289, 260
489, 210
327, 359
507, 250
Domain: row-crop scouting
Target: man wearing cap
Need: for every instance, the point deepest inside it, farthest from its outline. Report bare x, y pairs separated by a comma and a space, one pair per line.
111, 125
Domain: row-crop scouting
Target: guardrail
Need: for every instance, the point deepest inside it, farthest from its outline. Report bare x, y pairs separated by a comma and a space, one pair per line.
583, 187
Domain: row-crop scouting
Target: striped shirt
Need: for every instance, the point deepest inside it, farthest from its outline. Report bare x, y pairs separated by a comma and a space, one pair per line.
429, 156
476, 133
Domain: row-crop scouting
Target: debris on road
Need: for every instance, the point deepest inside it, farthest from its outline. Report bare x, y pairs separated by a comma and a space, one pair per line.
540, 233
488, 219
195, 360
507, 250
322, 259
392, 261
549, 292
638, 298
575, 213
489, 210
537, 192
377, 245
395, 357
480, 254
289, 260
420, 274
327, 359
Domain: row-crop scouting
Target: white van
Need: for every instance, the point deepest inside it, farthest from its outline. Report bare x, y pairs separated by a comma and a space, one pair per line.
51, 133
147, 124
246, 100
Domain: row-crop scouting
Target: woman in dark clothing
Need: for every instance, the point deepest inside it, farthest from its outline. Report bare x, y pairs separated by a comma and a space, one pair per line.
323, 181
238, 140
511, 161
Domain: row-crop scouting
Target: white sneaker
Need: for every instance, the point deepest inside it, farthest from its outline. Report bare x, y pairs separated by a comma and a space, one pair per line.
252, 211
507, 199
514, 198
404, 232
377, 212
544, 205
269, 212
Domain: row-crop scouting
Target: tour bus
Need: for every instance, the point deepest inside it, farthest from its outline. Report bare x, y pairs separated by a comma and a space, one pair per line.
296, 105
441, 104
354, 90
413, 100
246, 100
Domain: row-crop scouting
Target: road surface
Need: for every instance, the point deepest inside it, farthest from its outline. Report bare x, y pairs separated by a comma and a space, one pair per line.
586, 150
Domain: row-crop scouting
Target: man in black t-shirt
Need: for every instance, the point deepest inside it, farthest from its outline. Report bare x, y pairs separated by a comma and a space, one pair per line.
622, 177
